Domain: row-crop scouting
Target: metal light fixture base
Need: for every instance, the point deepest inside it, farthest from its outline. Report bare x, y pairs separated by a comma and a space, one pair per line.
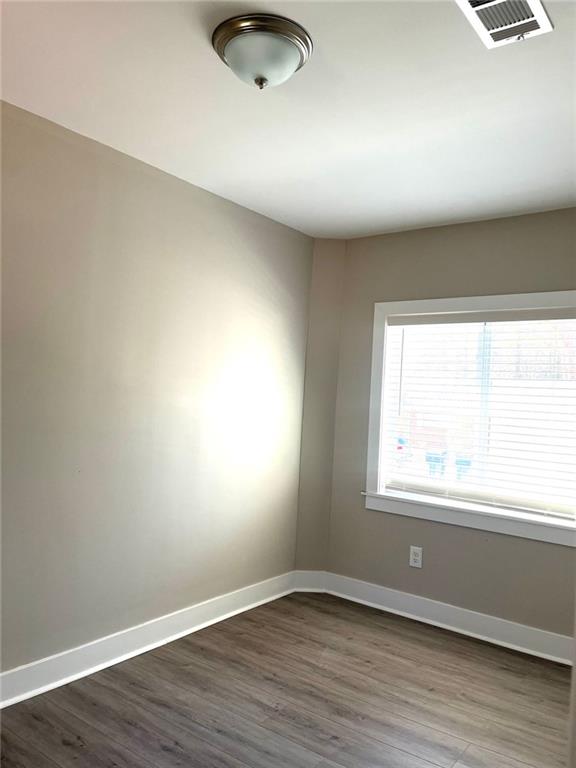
262, 22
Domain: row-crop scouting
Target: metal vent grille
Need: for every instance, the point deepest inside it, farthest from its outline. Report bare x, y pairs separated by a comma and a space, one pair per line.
500, 22
515, 32
504, 14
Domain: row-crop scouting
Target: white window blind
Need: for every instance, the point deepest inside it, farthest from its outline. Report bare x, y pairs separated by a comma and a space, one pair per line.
483, 411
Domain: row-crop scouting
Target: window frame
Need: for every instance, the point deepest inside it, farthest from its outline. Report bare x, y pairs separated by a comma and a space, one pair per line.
484, 517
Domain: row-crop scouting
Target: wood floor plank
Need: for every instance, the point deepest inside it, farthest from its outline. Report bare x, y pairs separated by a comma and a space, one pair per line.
225, 691
67, 739
320, 736
342, 745
478, 698
307, 681
17, 753
160, 740
474, 757
172, 708
419, 644
340, 630
353, 649
403, 634
318, 695
515, 741
452, 708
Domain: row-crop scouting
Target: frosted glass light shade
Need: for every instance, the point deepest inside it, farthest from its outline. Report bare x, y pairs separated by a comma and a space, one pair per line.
263, 59
262, 49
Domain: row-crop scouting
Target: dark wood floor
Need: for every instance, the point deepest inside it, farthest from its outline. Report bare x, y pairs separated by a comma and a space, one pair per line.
309, 681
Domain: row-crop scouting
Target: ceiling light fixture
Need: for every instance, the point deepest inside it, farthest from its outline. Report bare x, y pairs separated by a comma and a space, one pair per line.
262, 49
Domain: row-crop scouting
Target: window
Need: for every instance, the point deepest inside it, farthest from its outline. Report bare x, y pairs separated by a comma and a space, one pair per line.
473, 413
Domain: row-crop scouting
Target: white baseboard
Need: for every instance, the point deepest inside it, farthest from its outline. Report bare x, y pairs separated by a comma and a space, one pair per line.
40, 676
53, 671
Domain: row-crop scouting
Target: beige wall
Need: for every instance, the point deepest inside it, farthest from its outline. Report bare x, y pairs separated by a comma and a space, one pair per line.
154, 341
322, 352
572, 723
521, 580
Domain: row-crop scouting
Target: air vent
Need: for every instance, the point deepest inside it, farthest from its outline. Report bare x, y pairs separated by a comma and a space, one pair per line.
504, 14
518, 32
499, 22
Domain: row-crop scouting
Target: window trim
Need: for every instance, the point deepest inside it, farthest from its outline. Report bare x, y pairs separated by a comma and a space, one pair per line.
445, 510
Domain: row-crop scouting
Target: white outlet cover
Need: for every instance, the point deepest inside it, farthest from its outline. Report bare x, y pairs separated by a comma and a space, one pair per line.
415, 557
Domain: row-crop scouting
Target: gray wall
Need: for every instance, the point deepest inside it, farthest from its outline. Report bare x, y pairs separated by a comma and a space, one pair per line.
154, 342
517, 579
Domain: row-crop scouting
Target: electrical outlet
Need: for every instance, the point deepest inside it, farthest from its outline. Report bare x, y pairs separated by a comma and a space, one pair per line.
415, 557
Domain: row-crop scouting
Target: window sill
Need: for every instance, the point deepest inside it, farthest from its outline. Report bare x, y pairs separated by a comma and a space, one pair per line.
522, 524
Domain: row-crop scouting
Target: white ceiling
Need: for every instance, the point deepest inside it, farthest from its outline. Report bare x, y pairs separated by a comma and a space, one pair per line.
401, 119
